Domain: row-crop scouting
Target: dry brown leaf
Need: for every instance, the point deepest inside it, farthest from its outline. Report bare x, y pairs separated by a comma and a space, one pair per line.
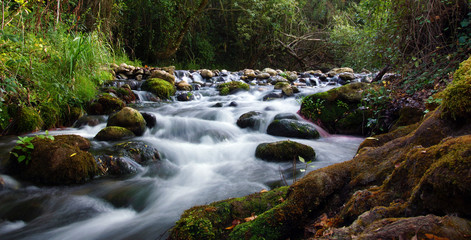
433, 237
251, 218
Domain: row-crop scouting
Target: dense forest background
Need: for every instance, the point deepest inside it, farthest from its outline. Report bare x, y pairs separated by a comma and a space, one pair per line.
57, 52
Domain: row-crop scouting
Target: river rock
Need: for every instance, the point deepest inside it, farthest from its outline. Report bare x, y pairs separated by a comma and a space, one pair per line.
185, 96
105, 104
291, 76
270, 71
232, 87
347, 76
292, 128
337, 71
159, 87
129, 118
272, 96
250, 73
141, 152
55, 162
116, 165
114, 133
205, 73
250, 120
151, 120
280, 116
284, 151
263, 76
184, 86
163, 75
218, 105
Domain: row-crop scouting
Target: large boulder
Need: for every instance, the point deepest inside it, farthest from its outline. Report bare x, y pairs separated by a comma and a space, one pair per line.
206, 73
60, 161
159, 87
284, 151
130, 119
292, 128
250, 120
114, 134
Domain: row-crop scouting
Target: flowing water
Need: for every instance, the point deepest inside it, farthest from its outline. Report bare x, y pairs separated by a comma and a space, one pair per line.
205, 157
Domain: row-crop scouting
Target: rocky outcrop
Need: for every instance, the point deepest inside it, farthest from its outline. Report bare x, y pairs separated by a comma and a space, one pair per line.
60, 161
292, 128
411, 183
284, 151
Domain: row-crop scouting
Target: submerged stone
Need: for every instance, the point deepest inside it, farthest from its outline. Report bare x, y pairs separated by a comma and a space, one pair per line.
250, 120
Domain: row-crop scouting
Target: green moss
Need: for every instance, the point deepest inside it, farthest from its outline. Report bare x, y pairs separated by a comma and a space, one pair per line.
284, 151
456, 97
210, 221
50, 114
232, 87
114, 133
280, 85
159, 87
27, 120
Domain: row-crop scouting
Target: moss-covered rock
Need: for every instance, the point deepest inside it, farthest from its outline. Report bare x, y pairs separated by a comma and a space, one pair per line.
27, 120
215, 221
159, 87
232, 87
114, 134
70, 114
49, 112
129, 118
105, 104
284, 151
55, 162
292, 128
164, 75
456, 97
337, 109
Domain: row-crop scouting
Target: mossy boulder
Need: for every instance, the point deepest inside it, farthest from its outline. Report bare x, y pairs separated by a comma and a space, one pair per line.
159, 87
105, 104
337, 109
27, 120
49, 112
292, 128
129, 118
215, 220
70, 114
284, 151
232, 87
114, 134
60, 161
164, 75
251, 120
456, 97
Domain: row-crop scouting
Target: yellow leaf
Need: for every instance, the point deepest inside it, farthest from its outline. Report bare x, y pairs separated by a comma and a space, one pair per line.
263, 191
73, 154
231, 227
251, 218
433, 237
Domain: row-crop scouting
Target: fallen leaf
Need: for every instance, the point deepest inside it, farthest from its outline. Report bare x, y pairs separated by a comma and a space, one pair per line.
210, 209
73, 154
251, 218
234, 223
433, 237
281, 199
231, 227
263, 191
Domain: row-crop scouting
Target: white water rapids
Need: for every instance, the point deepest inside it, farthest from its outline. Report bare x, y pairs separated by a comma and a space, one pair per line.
207, 158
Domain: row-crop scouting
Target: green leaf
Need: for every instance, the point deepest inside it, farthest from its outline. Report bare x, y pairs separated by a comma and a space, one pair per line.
302, 170
30, 146
21, 158
301, 159
14, 154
